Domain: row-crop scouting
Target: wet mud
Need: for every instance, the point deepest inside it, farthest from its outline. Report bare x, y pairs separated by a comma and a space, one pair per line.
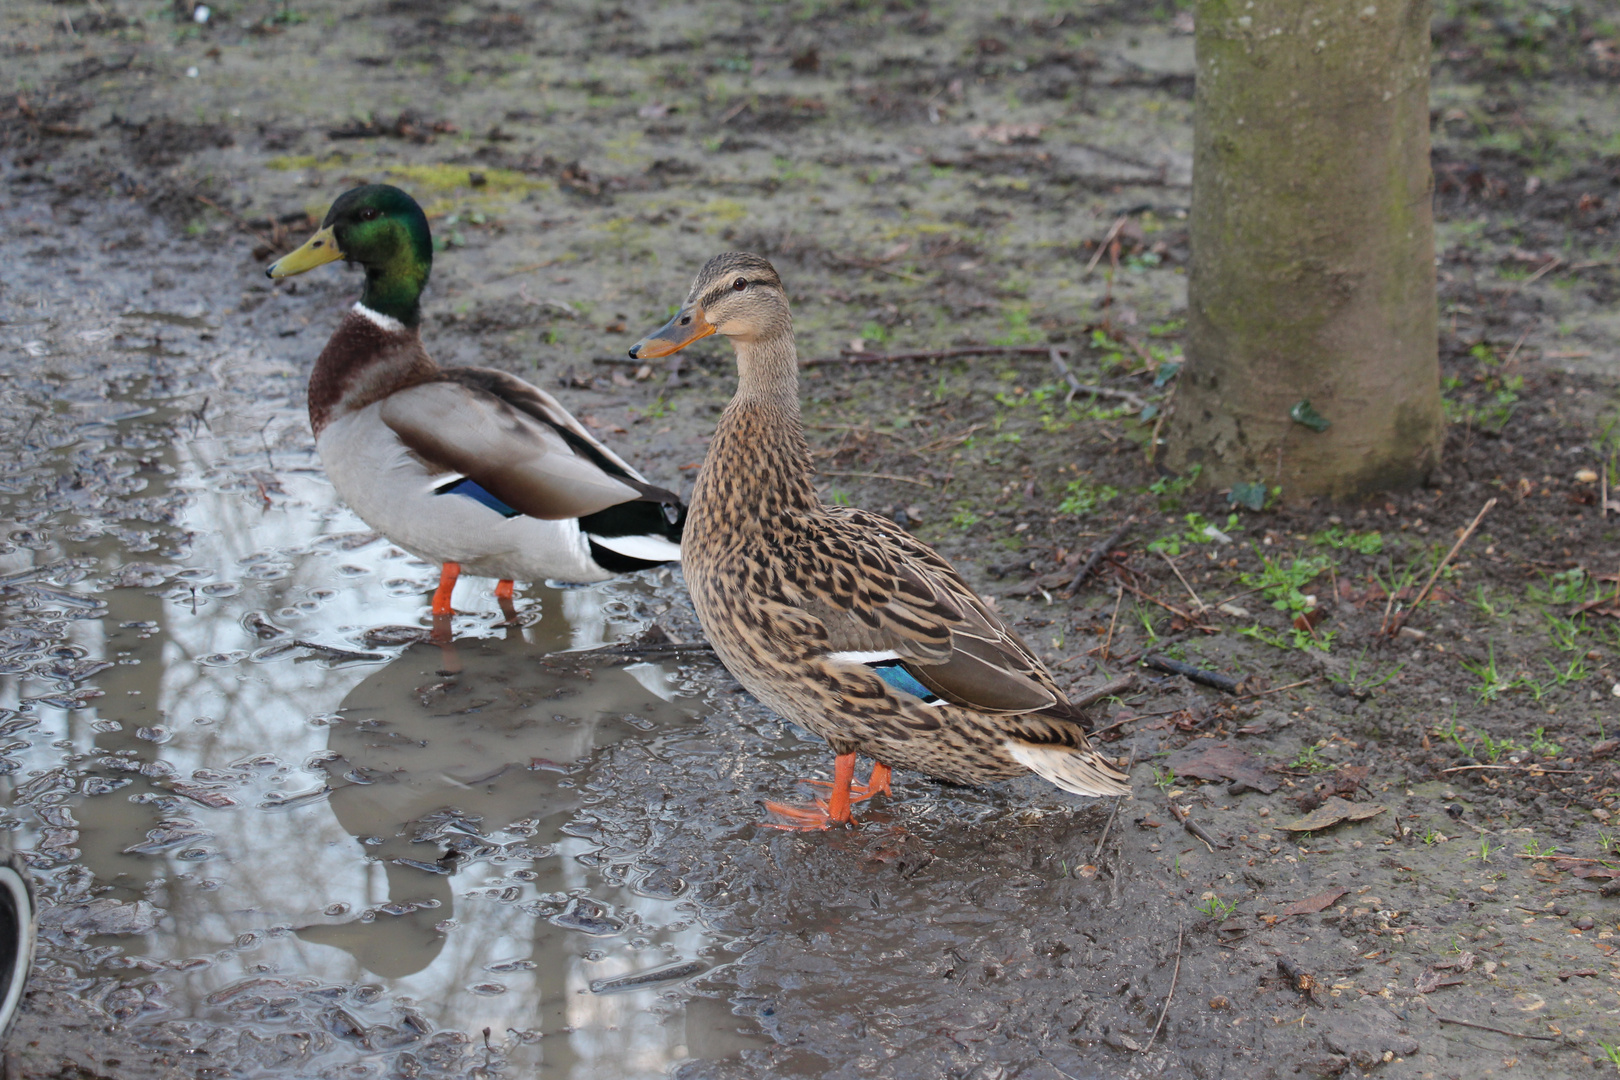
278, 834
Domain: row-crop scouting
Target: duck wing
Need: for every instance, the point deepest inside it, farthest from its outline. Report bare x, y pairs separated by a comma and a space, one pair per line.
885, 597
516, 442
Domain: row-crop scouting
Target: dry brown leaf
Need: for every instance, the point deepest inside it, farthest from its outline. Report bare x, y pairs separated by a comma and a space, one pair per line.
1331, 813
1312, 904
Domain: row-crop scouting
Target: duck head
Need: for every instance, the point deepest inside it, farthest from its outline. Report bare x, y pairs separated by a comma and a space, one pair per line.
737, 295
383, 229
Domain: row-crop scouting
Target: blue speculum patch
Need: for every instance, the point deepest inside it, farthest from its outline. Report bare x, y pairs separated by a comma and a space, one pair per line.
895, 674
476, 492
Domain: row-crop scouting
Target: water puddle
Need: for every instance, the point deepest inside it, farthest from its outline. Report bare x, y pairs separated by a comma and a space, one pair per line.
274, 827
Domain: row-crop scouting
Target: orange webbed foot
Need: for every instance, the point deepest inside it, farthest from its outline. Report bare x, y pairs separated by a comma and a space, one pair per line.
804, 818
833, 810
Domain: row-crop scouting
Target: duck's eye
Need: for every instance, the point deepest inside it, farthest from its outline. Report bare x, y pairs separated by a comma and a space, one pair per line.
740, 284
686, 320
370, 213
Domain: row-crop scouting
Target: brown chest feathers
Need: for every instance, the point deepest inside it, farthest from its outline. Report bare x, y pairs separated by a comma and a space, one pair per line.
363, 363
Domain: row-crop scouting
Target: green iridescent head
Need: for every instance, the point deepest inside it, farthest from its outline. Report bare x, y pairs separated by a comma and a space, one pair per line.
383, 229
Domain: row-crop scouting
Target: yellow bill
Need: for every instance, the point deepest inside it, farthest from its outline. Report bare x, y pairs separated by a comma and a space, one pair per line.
318, 250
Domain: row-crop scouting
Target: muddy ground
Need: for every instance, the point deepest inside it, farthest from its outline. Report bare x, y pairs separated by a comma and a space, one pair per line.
275, 839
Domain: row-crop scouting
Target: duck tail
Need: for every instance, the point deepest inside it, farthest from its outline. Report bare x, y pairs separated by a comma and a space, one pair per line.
1080, 769
18, 917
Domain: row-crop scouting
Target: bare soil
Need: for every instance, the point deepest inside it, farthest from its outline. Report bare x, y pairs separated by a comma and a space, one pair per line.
925, 176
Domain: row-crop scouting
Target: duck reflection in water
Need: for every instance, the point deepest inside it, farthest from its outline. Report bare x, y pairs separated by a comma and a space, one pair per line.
454, 756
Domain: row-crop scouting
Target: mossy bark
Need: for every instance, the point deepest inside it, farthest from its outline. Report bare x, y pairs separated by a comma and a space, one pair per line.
1313, 249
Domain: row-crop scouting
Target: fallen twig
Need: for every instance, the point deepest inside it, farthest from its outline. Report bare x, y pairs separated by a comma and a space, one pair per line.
632, 651
848, 357
1201, 606
1107, 689
1196, 829
1103, 839
1198, 675
1186, 617
1122, 721
880, 476
1097, 554
1391, 627
1539, 274
1495, 1030
1134, 400
1106, 240
336, 653
1108, 641
1301, 980
1550, 856
1534, 768
1280, 689
1174, 975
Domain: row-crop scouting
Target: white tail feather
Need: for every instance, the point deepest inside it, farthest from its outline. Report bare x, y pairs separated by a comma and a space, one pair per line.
1083, 772
649, 548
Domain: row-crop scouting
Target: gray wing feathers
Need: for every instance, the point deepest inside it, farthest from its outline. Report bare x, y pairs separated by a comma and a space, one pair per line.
520, 460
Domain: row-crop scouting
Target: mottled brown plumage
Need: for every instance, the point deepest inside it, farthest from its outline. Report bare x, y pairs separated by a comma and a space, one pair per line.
828, 613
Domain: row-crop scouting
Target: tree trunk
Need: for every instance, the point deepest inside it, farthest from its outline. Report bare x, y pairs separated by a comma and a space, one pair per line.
1313, 250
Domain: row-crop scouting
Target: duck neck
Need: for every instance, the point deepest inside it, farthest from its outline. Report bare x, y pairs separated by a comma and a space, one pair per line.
768, 373
395, 288
759, 444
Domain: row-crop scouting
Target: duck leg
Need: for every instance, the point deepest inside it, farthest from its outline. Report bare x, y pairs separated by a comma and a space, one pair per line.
877, 785
833, 810
447, 584
503, 597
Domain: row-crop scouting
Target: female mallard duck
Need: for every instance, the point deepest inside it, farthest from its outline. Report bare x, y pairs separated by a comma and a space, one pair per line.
468, 467
836, 618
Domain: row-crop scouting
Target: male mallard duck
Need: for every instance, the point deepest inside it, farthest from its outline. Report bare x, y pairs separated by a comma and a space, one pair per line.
835, 617
469, 467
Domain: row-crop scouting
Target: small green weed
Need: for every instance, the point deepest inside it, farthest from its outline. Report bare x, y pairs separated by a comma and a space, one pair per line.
1353, 680
1453, 733
656, 409
1492, 684
1216, 908
1164, 778
1493, 749
1199, 531
1019, 331
1310, 760
1370, 543
1565, 633
1434, 836
1082, 498
1561, 588
1611, 1052
1483, 853
1491, 608
1170, 489
1293, 638
1284, 585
